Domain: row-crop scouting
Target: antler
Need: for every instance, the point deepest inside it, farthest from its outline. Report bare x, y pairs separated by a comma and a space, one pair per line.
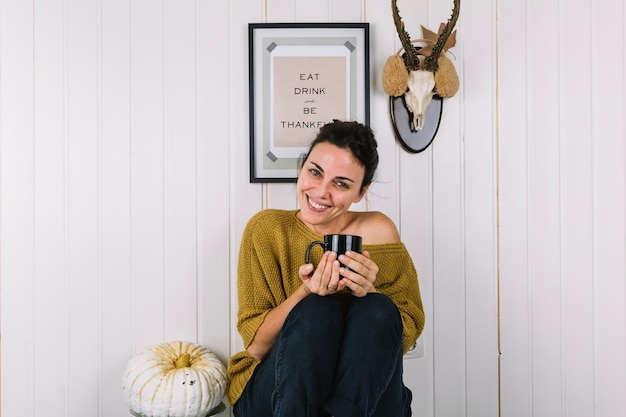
411, 58
430, 63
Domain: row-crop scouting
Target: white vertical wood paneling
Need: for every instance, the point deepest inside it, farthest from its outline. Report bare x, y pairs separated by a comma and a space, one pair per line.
83, 213
450, 287
148, 177
348, 10
50, 321
277, 11
544, 205
17, 208
416, 229
568, 153
213, 188
280, 195
115, 199
245, 198
309, 11
609, 155
576, 210
515, 315
477, 93
180, 171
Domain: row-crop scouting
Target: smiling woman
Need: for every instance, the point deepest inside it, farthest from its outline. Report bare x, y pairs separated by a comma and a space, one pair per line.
329, 182
327, 336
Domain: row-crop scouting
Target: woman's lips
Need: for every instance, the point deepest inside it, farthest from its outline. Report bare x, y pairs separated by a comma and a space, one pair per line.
316, 206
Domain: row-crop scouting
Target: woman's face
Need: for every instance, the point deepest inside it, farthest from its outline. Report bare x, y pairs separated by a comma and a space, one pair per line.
328, 183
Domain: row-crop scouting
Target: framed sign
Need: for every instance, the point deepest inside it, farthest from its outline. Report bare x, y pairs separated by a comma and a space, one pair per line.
302, 76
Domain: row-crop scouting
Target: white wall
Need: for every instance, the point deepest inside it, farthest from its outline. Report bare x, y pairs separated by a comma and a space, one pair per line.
562, 187
124, 191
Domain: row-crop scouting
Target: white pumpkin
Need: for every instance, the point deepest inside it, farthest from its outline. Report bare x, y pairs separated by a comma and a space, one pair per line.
175, 379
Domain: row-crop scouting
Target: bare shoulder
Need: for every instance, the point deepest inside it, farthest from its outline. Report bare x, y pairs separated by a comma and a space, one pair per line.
376, 228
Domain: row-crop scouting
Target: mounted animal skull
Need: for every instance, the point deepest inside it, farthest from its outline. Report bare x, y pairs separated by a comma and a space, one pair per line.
422, 72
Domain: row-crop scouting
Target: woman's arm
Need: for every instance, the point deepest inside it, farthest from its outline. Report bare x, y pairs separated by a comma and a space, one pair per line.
267, 333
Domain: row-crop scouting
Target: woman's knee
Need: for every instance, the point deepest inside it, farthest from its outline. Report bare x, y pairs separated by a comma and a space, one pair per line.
316, 315
377, 307
378, 312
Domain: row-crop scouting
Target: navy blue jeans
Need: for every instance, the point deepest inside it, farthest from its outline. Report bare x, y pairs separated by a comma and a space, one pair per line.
331, 362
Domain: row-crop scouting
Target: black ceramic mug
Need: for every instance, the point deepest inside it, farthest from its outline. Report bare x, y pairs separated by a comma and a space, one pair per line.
336, 243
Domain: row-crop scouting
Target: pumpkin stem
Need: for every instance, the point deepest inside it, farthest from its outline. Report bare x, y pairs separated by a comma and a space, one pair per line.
183, 361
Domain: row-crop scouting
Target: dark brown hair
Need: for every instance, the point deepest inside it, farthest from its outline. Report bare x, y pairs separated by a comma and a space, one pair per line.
357, 138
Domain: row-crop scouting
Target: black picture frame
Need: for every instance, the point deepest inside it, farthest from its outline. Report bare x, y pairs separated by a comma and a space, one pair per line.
301, 76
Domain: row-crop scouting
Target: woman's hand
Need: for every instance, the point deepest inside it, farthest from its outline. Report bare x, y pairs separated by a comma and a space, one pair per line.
360, 276
325, 278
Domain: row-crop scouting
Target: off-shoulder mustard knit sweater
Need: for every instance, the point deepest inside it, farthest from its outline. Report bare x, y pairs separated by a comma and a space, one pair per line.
272, 249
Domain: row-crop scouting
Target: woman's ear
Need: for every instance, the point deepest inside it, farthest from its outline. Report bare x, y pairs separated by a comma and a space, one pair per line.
362, 194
